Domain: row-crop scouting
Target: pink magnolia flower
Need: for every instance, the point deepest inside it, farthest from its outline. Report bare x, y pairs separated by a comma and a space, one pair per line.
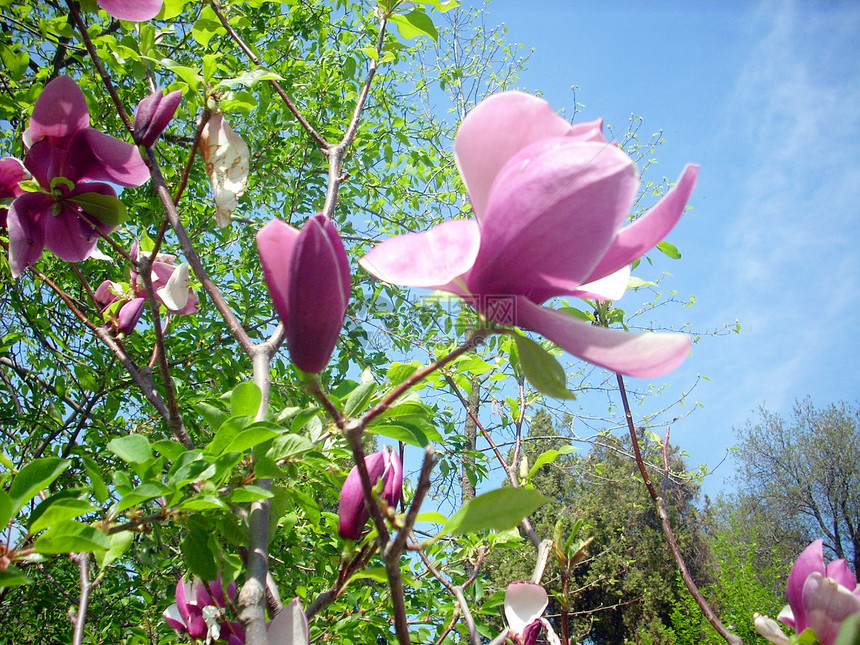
69, 160
153, 114
352, 511
307, 273
170, 283
525, 603
135, 10
201, 615
820, 597
550, 200
12, 172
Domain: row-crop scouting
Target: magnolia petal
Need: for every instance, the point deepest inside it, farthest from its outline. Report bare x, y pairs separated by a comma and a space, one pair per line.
432, 259
174, 294
769, 629
275, 244
27, 230
135, 10
499, 127
634, 241
611, 287
60, 111
551, 636
289, 626
107, 293
826, 605
645, 355
525, 603
808, 562
352, 512
317, 294
96, 156
392, 489
153, 114
227, 157
553, 211
786, 617
174, 618
840, 572
70, 234
12, 171
184, 596
162, 272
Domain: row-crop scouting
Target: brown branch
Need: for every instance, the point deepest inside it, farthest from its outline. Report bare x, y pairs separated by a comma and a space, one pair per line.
729, 637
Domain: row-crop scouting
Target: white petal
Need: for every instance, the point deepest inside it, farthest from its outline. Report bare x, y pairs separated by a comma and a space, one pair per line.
525, 603
174, 294
551, 636
769, 629
610, 287
289, 626
226, 156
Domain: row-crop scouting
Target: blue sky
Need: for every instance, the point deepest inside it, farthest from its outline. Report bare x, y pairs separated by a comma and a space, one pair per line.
766, 98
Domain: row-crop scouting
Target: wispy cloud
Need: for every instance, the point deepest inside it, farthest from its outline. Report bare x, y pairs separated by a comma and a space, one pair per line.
794, 244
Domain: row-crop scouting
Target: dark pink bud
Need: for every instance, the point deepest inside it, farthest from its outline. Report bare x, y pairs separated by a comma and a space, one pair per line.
352, 511
531, 633
153, 114
307, 273
129, 314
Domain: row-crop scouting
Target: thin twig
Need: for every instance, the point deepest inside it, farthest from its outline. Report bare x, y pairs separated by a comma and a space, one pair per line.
729, 637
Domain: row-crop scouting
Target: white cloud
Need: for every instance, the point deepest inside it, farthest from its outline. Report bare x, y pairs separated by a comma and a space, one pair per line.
794, 245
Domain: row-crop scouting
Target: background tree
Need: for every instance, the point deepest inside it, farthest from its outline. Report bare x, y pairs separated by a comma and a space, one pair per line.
799, 478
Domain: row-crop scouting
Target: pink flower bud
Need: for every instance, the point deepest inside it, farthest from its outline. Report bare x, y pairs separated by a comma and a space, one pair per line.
352, 512
153, 114
307, 273
129, 314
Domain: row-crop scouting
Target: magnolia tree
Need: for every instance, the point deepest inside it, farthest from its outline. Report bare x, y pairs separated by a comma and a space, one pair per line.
194, 382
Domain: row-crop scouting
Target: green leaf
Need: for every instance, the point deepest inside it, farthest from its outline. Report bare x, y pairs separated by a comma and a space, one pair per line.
400, 432
105, 208
6, 509
245, 399
669, 249
251, 78
249, 493
143, 493
14, 61
195, 549
849, 633
12, 577
133, 448
119, 544
415, 23
56, 509
541, 369
207, 25
253, 435
33, 477
549, 457
635, 283
378, 574
289, 445
169, 448
203, 503
227, 432
361, 395
97, 482
71, 536
188, 468
498, 510
213, 415
806, 637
